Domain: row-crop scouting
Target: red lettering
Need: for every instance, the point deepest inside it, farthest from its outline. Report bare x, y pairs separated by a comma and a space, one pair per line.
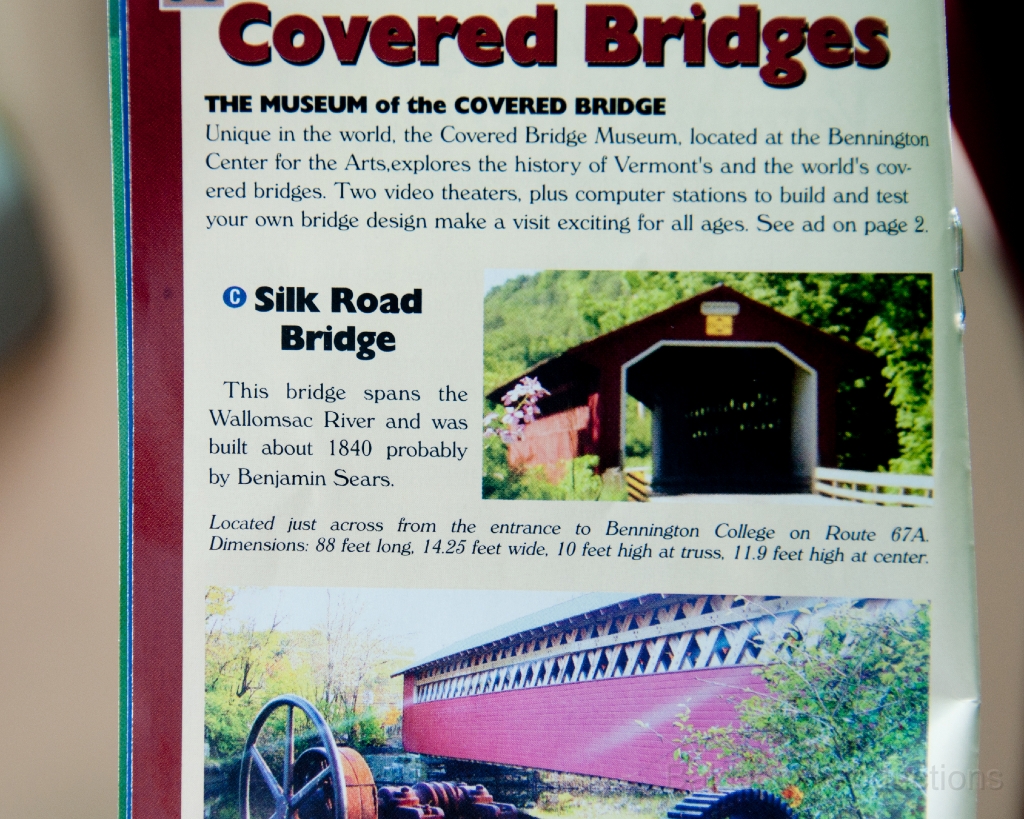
480, 41
610, 39
830, 42
656, 32
232, 33
784, 37
347, 44
693, 36
608, 36
543, 29
868, 32
291, 27
392, 40
744, 30
430, 30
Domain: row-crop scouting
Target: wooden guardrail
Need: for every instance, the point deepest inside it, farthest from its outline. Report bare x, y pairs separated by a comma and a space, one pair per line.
881, 488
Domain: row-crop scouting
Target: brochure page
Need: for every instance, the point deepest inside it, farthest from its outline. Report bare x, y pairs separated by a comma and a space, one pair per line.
542, 410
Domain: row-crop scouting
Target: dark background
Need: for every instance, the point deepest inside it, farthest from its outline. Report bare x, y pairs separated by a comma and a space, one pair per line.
986, 92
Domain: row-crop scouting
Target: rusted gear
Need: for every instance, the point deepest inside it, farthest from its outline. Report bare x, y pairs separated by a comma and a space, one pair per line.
360, 790
288, 799
746, 803
462, 801
401, 802
320, 806
332, 782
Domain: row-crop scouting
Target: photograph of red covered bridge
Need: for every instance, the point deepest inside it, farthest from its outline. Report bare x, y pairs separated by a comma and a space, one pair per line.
610, 704
596, 685
769, 385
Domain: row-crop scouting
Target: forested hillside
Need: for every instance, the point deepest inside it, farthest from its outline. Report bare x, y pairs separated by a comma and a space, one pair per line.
531, 318
343, 666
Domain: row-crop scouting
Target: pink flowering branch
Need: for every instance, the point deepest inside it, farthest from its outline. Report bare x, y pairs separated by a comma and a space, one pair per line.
520, 409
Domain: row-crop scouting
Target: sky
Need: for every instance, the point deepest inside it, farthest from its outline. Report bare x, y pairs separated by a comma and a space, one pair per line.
495, 278
423, 620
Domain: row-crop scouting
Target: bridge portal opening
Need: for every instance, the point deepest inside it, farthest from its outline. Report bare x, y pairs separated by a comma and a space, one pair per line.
728, 418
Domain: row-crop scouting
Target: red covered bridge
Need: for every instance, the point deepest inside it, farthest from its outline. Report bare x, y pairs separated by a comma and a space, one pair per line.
592, 686
744, 398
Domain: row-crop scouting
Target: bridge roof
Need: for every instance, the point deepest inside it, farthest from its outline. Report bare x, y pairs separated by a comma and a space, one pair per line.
540, 621
755, 323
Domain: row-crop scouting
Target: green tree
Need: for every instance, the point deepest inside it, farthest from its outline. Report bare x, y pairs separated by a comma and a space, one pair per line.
638, 433
245, 666
343, 666
346, 655
843, 718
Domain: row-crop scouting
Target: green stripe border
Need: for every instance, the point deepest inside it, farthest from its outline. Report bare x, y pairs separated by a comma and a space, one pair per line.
117, 57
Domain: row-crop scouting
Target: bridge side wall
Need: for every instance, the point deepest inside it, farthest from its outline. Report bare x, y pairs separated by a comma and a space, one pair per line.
587, 728
553, 439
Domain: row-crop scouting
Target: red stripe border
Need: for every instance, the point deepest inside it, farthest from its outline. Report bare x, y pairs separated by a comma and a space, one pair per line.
154, 128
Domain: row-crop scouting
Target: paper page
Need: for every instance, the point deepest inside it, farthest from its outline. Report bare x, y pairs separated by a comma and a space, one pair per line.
542, 410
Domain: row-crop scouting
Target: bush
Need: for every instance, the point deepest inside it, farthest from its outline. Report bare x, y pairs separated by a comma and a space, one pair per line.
844, 720
365, 731
580, 481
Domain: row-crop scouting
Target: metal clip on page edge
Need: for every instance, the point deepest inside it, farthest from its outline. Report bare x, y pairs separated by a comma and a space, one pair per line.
958, 266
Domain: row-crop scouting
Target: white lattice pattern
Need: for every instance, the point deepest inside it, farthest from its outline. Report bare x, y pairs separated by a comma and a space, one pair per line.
651, 635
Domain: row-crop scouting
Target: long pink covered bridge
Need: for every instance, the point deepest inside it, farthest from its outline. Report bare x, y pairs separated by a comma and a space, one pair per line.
592, 686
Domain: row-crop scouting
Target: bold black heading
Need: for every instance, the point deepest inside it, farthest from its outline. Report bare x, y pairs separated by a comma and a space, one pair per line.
365, 344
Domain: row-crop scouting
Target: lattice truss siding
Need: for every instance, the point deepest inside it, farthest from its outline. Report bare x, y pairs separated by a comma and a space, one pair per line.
655, 634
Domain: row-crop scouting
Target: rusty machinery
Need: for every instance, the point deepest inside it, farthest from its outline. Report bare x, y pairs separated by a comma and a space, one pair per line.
310, 785
307, 789
742, 803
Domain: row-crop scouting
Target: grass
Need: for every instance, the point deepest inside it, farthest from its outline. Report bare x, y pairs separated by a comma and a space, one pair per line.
570, 805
